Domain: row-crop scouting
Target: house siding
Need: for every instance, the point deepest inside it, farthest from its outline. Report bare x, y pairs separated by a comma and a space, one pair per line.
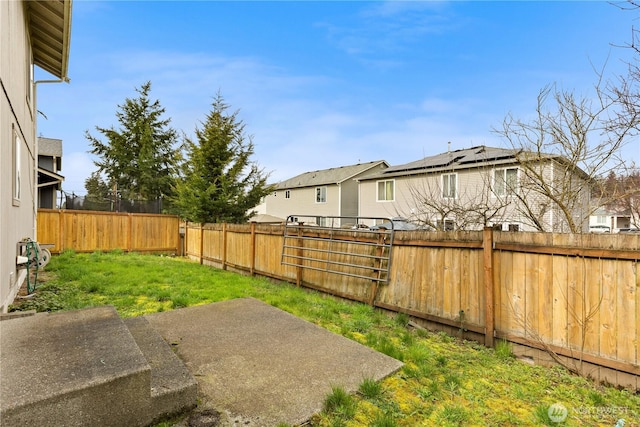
302, 201
349, 198
16, 115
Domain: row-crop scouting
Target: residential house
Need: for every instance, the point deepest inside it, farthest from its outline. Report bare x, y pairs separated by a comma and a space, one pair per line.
49, 164
473, 188
612, 219
32, 33
322, 193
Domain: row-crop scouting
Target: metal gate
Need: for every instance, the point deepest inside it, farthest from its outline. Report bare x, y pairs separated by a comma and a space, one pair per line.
338, 245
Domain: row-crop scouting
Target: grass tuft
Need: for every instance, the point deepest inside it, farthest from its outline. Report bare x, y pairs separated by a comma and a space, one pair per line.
370, 389
503, 350
339, 404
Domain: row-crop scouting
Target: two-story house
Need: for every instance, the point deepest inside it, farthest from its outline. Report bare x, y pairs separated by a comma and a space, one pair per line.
322, 193
476, 187
49, 165
32, 33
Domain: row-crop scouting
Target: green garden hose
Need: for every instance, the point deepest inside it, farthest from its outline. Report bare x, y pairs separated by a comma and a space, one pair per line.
32, 261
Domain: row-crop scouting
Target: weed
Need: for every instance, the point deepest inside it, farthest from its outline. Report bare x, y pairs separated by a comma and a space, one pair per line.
441, 360
402, 320
453, 415
180, 301
597, 399
386, 346
383, 420
452, 382
427, 370
407, 338
418, 353
443, 337
339, 404
359, 324
370, 389
541, 414
503, 350
411, 370
46, 298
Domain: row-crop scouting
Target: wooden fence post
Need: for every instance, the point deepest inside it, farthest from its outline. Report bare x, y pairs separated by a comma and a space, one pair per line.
130, 226
61, 218
185, 242
487, 248
201, 243
224, 245
253, 249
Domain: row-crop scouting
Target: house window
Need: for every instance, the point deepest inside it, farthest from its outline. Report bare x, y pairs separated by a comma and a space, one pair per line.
17, 173
505, 181
449, 184
321, 194
287, 194
446, 225
514, 227
601, 219
386, 191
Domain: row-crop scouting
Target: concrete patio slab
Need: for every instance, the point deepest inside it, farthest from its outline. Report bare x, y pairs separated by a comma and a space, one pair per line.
260, 366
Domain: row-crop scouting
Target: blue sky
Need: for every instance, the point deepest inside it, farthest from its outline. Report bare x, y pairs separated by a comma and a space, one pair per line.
329, 83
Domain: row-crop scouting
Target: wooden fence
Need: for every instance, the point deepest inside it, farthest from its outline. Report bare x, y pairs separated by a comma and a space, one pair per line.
574, 297
88, 231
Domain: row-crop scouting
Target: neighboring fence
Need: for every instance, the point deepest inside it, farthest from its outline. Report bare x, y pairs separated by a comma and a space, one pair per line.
110, 204
88, 231
574, 297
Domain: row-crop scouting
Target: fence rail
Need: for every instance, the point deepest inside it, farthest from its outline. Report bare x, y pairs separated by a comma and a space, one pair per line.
88, 231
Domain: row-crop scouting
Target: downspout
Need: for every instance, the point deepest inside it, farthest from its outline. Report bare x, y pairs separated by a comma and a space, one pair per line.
36, 149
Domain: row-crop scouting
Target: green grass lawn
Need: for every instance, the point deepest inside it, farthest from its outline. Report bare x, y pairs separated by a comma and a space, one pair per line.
445, 381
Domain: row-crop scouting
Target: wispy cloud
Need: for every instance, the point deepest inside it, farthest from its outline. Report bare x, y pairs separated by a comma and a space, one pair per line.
388, 28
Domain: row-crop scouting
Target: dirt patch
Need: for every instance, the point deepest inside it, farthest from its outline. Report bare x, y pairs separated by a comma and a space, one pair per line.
206, 418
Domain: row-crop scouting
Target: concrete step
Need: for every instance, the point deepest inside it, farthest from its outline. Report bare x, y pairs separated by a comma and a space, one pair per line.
173, 388
82, 368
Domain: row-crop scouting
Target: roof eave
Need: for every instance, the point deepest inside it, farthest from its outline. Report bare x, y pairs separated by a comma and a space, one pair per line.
50, 30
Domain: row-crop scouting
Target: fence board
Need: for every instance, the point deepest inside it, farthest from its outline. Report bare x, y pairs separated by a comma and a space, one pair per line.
559, 288
545, 297
626, 320
607, 310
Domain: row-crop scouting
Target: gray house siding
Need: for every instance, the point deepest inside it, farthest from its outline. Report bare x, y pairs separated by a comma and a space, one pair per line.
21, 46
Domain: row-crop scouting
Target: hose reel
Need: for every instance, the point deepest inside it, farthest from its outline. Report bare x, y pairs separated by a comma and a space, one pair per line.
32, 257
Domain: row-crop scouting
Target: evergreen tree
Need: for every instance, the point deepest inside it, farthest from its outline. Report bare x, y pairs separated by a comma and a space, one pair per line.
99, 195
220, 181
140, 157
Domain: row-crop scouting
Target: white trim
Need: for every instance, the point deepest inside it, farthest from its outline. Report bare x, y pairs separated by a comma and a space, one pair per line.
506, 192
317, 196
385, 200
16, 169
455, 191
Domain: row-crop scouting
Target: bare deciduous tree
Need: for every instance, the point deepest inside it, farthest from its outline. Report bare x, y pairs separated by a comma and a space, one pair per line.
571, 142
467, 208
